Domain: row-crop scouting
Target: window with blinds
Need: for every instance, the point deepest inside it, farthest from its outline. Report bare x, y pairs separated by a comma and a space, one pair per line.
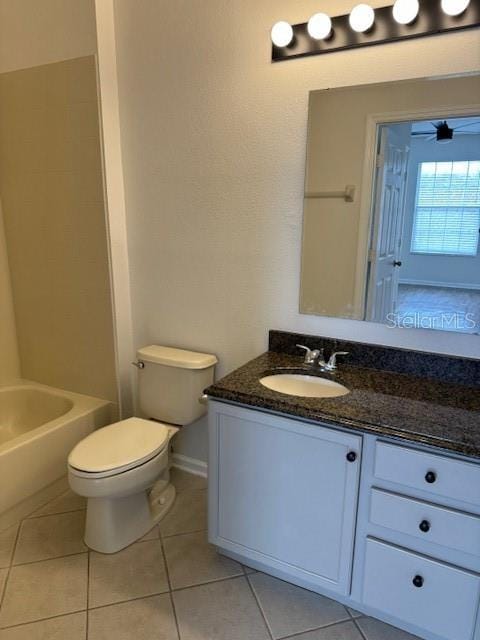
447, 208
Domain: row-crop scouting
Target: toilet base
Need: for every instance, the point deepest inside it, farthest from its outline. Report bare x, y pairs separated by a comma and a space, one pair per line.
114, 523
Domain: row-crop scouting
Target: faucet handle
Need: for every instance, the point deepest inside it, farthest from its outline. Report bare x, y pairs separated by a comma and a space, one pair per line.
332, 362
311, 355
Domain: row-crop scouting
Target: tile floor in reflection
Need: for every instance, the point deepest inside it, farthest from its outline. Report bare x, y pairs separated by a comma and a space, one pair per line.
171, 585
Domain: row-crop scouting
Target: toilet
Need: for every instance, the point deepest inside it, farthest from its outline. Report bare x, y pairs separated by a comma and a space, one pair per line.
123, 469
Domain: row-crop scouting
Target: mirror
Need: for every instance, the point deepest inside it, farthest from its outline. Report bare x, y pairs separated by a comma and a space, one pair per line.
392, 204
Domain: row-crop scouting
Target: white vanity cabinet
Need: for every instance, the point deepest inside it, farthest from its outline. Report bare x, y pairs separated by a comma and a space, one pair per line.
283, 494
389, 528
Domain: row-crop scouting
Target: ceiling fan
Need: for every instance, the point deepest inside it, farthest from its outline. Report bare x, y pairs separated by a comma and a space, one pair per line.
444, 133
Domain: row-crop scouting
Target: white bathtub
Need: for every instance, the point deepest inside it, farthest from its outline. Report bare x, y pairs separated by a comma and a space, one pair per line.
39, 426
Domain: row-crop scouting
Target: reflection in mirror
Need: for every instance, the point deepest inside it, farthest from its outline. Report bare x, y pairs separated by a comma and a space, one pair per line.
392, 205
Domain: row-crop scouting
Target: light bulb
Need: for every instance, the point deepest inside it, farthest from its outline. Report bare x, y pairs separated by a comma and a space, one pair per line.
319, 26
282, 34
405, 11
361, 18
454, 7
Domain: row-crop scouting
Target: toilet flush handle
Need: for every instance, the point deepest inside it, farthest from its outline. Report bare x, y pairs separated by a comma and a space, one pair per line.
139, 364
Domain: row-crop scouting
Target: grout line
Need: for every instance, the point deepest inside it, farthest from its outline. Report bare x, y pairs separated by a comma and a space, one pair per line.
257, 601
202, 584
67, 555
49, 515
181, 533
327, 626
60, 615
88, 593
113, 604
170, 594
9, 569
357, 626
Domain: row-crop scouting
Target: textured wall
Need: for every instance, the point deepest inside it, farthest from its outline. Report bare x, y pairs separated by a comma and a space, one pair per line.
52, 193
213, 139
9, 360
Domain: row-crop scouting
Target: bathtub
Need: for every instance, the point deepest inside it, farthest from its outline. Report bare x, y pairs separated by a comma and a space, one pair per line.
39, 425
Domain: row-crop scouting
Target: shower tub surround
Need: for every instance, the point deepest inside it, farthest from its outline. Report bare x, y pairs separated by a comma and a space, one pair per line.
39, 425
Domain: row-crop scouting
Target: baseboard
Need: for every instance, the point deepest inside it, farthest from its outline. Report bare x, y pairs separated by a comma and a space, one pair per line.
192, 465
444, 285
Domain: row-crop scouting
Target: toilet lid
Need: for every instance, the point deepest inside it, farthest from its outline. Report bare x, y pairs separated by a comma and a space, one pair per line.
119, 446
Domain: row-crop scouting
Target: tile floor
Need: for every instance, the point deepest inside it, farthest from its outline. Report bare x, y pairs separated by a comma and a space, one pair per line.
171, 585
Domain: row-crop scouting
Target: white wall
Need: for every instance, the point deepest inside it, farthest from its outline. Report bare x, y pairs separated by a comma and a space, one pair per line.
9, 360
35, 32
213, 139
453, 270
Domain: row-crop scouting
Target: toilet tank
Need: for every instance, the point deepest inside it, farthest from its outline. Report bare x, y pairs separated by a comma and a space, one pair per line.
171, 383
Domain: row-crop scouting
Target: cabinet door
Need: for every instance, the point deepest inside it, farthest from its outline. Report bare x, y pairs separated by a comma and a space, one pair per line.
283, 493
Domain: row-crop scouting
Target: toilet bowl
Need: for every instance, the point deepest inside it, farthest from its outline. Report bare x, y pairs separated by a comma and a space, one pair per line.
123, 469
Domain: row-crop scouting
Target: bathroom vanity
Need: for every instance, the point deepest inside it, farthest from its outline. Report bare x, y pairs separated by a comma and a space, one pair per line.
371, 498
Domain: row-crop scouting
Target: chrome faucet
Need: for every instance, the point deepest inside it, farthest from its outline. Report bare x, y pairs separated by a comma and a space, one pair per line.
312, 356
315, 357
331, 365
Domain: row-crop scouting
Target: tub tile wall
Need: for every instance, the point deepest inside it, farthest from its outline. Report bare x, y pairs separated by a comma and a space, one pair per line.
52, 191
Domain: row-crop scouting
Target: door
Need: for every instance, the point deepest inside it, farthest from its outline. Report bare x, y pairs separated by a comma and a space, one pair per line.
384, 258
284, 494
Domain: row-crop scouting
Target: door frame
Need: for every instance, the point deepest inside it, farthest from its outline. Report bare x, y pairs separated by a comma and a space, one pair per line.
367, 195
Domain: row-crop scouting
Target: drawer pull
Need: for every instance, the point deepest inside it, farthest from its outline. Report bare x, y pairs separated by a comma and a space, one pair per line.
424, 526
351, 456
430, 477
418, 581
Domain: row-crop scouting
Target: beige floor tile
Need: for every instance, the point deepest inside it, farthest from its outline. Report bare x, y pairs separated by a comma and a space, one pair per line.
191, 560
3, 579
45, 589
354, 613
134, 572
341, 631
188, 514
71, 627
290, 609
223, 610
153, 534
68, 501
144, 619
7, 542
376, 630
50, 537
182, 480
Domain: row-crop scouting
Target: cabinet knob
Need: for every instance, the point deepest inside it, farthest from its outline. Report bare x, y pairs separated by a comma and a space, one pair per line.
351, 456
430, 477
424, 526
418, 581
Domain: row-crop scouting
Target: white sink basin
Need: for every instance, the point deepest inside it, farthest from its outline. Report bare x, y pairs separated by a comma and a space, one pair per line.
295, 384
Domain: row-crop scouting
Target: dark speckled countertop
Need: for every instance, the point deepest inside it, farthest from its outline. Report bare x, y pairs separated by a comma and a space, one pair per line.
418, 409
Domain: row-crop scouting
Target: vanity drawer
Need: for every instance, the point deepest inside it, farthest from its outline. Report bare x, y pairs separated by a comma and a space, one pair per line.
440, 476
435, 597
425, 521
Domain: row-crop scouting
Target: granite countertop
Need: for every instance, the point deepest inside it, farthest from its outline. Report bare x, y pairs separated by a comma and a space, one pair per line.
416, 409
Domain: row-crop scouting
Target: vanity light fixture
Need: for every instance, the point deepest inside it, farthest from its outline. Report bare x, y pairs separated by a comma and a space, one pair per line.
454, 7
364, 26
319, 26
361, 18
282, 34
405, 11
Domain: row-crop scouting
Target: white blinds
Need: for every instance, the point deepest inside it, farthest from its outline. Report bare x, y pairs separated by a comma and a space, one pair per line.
447, 209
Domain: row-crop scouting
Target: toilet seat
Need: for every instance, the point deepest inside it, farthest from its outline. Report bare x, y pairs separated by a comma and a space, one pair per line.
118, 447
